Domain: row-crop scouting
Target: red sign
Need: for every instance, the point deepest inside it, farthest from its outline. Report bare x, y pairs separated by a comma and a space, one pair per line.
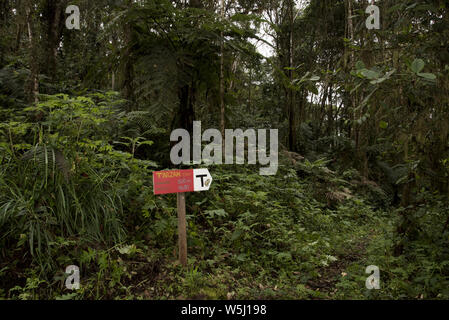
173, 181
179, 181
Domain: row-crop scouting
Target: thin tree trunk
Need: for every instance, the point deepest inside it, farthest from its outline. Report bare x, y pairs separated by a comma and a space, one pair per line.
330, 112
291, 93
19, 27
222, 104
233, 71
129, 67
350, 28
34, 63
249, 89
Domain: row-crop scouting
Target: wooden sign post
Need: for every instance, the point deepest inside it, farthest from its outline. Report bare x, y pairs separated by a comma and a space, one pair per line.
180, 182
182, 228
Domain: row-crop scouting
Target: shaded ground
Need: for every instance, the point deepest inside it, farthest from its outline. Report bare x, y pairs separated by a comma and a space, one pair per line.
333, 273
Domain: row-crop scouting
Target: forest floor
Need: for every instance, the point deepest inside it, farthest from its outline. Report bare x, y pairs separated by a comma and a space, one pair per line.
331, 275
271, 240
306, 233
335, 280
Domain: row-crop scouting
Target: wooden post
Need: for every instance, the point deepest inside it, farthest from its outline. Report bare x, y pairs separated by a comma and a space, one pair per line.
182, 232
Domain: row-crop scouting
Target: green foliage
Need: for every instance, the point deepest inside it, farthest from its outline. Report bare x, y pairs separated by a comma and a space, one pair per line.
363, 114
68, 184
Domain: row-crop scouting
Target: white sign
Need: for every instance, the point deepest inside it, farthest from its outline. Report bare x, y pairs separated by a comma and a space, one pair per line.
201, 179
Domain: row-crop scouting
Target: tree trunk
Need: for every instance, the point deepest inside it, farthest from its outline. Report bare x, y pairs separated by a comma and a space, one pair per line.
54, 13
186, 111
129, 66
291, 92
33, 83
222, 104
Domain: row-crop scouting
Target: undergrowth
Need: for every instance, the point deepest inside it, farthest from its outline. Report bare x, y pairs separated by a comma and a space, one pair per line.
72, 195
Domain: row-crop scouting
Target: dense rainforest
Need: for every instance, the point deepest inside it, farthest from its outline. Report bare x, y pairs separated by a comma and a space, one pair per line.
90, 91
